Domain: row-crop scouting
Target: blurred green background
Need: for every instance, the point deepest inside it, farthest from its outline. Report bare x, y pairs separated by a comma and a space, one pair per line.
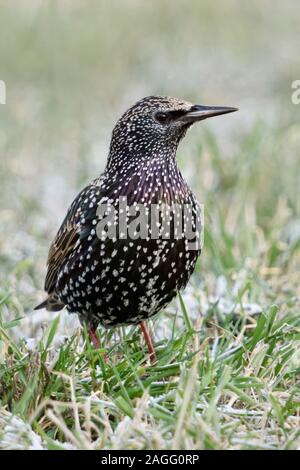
72, 67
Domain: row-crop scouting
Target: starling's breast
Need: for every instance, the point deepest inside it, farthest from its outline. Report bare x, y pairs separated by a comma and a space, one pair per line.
138, 245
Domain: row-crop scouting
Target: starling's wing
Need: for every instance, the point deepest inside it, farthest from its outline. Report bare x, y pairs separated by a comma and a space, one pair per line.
76, 228
64, 242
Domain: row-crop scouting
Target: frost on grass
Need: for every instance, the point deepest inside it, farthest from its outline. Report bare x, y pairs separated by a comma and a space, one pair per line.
138, 432
17, 435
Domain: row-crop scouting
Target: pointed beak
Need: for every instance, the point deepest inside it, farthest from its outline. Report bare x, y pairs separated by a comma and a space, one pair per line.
200, 112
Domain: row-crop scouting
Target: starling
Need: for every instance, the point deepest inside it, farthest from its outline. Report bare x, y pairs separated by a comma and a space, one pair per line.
113, 275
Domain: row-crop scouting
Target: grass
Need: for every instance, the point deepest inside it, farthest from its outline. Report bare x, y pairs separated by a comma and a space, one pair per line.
215, 386
228, 348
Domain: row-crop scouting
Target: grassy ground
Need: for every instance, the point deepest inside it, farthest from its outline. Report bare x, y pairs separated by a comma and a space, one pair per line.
228, 370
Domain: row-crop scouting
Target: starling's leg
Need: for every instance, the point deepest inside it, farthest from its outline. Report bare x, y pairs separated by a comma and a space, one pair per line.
95, 340
153, 357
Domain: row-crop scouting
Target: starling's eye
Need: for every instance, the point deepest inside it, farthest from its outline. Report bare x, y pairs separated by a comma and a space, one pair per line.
161, 117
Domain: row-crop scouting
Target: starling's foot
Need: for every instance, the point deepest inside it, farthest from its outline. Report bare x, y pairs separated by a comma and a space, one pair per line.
153, 357
96, 342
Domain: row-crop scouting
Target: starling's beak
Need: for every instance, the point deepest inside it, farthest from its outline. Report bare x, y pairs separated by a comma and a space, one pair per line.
200, 112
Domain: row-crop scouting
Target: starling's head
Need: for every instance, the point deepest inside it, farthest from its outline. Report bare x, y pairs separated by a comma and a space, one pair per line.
156, 124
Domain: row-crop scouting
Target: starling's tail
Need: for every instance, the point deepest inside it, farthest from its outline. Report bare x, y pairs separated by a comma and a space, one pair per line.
52, 303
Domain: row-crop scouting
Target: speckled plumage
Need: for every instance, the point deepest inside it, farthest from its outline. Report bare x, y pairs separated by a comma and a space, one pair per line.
123, 280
